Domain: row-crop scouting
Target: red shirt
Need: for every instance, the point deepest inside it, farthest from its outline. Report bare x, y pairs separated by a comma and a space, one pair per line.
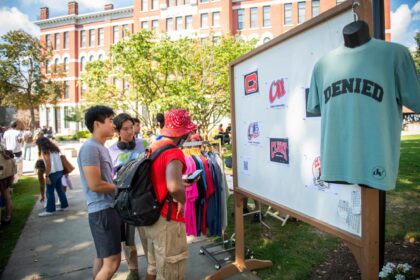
159, 175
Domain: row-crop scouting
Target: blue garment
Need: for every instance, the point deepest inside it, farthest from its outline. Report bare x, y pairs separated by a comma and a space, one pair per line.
55, 185
214, 213
93, 153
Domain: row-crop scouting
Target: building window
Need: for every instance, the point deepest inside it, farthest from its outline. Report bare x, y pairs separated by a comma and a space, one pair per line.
48, 40
66, 90
66, 64
144, 25
155, 24
240, 19
57, 114
315, 8
91, 58
266, 39
56, 41
178, 23
66, 113
155, 4
82, 38
82, 64
266, 16
169, 24
91, 38
144, 5
100, 37
204, 20
188, 22
253, 17
216, 19
171, 3
204, 1
116, 33
288, 14
301, 12
66, 40
125, 31
100, 57
56, 65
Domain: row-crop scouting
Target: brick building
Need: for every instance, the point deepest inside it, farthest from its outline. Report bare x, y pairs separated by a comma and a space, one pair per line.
79, 38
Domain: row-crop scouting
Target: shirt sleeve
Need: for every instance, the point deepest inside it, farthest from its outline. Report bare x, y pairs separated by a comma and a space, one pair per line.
313, 105
175, 154
408, 83
90, 156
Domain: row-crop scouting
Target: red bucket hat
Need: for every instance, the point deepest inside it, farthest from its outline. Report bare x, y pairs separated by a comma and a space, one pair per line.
177, 123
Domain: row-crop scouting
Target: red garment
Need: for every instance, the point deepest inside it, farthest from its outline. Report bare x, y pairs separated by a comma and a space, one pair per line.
209, 192
159, 175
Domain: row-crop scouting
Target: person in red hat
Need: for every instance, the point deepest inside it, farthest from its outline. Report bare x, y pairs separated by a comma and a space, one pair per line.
167, 240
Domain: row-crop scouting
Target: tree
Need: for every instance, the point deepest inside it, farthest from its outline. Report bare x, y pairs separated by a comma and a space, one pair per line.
165, 74
22, 83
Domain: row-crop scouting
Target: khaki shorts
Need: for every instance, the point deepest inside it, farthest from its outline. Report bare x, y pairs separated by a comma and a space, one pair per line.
167, 250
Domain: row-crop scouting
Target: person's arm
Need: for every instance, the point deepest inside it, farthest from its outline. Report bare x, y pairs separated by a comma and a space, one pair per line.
174, 181
95, 182
47, 159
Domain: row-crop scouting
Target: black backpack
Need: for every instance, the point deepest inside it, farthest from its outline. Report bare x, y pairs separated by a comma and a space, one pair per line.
136, 199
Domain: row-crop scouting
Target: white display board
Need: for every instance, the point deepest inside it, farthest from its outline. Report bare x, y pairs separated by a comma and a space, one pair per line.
277, 142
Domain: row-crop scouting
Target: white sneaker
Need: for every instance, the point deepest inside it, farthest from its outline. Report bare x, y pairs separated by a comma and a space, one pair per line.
62, 209
45, 214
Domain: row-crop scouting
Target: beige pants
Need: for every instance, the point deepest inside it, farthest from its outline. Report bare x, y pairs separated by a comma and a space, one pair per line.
167, 250
130, 252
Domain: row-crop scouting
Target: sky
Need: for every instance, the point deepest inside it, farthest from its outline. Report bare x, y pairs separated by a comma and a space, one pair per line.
405, 15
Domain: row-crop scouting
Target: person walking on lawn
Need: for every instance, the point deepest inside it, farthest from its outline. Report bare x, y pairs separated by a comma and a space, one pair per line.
95, 166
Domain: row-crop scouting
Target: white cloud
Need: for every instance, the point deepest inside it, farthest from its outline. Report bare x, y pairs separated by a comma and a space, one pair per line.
13, 19
401, 20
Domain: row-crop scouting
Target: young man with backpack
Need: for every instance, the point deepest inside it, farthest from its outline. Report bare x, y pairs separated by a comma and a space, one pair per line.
166, 239
95, 166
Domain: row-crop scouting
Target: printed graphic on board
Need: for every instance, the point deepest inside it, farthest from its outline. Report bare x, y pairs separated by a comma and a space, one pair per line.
254, 133
251, 83
279, 150
312, 175
245, 165
349, 208
278, 94
309, 114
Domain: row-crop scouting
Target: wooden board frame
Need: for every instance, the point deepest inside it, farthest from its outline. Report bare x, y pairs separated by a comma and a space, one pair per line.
365, 248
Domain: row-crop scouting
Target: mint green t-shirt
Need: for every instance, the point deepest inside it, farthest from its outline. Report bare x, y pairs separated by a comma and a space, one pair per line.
359, 93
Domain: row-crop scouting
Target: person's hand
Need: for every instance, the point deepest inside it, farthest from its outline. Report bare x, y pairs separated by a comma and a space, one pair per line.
180, 210
42, 199
48, 181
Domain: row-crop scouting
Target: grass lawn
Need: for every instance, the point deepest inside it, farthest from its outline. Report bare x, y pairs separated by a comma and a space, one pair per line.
23, 199
297, 248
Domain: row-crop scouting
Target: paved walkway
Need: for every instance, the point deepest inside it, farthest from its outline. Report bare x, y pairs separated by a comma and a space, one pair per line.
61, 247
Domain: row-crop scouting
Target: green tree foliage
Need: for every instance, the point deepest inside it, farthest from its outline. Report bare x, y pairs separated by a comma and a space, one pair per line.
22, 83
164, 74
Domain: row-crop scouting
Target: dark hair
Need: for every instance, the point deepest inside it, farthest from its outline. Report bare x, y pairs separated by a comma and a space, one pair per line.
160, 119
120, 119
13, 124
97, 113
46, 146
136, 120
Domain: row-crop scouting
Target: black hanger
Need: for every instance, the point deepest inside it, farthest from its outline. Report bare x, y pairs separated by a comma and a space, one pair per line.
356, 33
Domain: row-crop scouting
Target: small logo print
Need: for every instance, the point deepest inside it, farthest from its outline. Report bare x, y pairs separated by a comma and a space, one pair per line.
251, 83
378, 172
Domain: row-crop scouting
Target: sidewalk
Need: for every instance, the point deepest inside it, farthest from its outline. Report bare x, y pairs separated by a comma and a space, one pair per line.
61, 246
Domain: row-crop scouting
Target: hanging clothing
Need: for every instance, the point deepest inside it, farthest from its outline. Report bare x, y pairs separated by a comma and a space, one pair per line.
191, 194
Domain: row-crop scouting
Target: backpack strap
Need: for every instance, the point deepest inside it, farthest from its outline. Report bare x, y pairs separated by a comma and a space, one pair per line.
153, 156
156, 153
